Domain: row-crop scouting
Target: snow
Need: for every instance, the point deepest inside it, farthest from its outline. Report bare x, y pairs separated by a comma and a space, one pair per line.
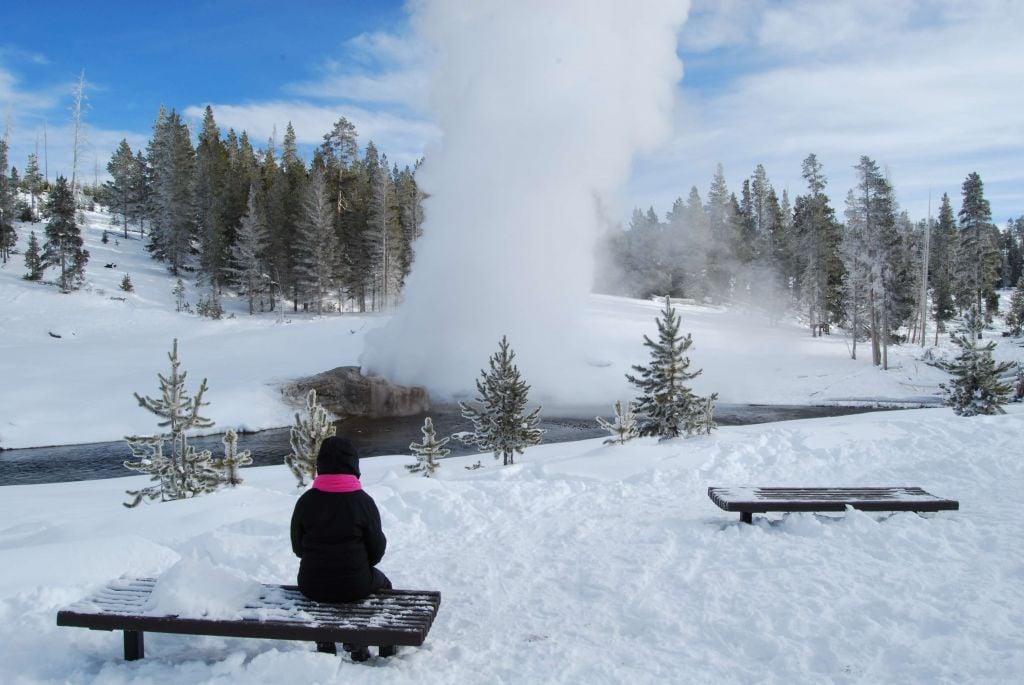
583, 562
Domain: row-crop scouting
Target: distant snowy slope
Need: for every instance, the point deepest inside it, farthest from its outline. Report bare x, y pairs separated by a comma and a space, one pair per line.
78, 387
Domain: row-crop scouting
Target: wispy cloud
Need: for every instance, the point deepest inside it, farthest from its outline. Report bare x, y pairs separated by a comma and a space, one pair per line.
928, 88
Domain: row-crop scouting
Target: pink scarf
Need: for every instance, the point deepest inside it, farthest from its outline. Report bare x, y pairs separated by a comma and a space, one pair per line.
337, 482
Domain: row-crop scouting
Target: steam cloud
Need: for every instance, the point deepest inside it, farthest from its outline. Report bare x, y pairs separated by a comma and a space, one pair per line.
542, 106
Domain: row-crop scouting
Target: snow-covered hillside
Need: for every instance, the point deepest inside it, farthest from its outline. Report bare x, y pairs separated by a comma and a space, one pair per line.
78, 387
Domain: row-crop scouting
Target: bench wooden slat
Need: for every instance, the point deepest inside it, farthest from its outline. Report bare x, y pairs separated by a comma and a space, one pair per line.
386, 618
759, 500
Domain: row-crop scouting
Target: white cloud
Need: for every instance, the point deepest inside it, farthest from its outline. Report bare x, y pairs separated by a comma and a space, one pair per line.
929, 88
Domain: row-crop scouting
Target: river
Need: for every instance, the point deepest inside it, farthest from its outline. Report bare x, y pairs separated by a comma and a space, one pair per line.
373, 437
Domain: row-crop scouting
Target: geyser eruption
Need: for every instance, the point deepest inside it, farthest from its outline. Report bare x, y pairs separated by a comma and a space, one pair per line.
542, 106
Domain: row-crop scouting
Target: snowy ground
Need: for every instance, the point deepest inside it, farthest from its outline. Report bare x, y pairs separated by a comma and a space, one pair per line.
581, 563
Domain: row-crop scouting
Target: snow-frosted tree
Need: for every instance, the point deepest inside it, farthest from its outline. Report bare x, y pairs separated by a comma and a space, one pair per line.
171, 163
317, 250
307, 435
499, 422
32, 181
624, 427
64, 245
1014, 313
668, 406
976, 386
232, 459
429, 451
817, 263
183, 472
33, 259
249, 269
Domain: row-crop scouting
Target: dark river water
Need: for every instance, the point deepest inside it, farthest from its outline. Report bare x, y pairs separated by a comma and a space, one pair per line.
373, 437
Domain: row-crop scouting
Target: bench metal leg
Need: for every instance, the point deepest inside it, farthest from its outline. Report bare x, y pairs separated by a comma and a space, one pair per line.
386, 650
134, 649
746, 517
327, 647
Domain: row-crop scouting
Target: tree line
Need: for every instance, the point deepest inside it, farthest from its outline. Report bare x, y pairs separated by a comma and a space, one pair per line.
875, 271
337, 233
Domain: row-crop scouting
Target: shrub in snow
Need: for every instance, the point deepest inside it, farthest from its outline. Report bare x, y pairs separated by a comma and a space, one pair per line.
499, 424
624, 427
126, 284
306, 437
975, 387
429, 451
232, 459
184, 472
667, 404
180, 303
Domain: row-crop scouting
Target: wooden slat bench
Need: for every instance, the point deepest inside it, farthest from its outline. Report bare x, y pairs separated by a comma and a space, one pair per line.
754, 500
384, 619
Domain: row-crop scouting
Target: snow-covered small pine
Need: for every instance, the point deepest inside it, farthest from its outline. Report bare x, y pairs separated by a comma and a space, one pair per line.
976, 386
126, 284
499, 423
429, 451
702, 420
306, 437
184, 472
233, 459
624, 428
668, 406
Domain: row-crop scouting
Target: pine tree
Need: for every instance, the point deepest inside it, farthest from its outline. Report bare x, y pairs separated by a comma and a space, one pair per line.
172, 186
211, 170
32, 181
976, 386
818, 267
978, 261
941, 257
624, 427
8, 236
126, 284
317, 249
1014, 314
306, 437
33, 259
667, 405
429, 451
249, 269
232, 459
64, 245
118, 190
184, 472
499, 423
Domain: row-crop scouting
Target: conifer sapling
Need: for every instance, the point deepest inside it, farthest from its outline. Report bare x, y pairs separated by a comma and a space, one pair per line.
184, 472
429, 451
306, 437
625, 426
976, 386
233, 459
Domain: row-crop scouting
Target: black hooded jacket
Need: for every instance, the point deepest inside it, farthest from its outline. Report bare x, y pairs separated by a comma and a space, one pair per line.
337, 535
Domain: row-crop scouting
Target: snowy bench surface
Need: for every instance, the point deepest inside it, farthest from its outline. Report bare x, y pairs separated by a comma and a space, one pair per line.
385, 619
755, 500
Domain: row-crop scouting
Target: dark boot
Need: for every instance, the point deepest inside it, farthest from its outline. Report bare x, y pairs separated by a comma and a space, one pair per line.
358, 653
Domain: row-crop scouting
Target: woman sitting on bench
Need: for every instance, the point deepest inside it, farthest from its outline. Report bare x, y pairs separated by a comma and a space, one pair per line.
336, 531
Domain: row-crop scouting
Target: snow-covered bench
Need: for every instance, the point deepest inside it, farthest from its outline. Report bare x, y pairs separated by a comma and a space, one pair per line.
753, 500
385, 619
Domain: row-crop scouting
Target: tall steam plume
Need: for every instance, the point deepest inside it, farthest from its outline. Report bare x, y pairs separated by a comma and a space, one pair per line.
542, 106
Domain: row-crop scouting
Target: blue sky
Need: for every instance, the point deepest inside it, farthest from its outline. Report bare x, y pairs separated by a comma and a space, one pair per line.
928, 88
